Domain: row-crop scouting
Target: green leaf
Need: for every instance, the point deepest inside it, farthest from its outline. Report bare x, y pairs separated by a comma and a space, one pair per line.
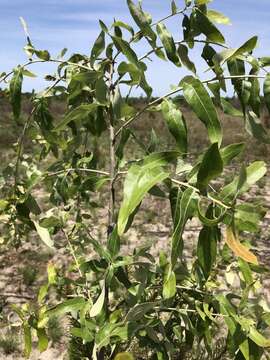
231, 54
169, 285
254, 172
210, 167
202, 2
183, 205
255, 99
114, 243
141, 20
79, 113
229, 152
44, 235
208, 28
139, 180
98, 305
173, 7
168, 43
27, 340
207, 248
217, 17
126, 50
258, 338
15, 90
67, 306
183, 55
266, 91
255, 128
139, 310
124, 356
176, 124
43, 340
98, 47
198, 98
101, 92
124, 26
43, 54
229, 109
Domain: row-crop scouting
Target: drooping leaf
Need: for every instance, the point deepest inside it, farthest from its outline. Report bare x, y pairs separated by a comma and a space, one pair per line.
183, 55
176, 124
15, 90
229, 109
124, 356
43, 340
198, 98
239, 249
184, 204
258, 338
208, 28
168, 43
126, 50
255, 99
101, 92
210, 167
266, 91
255, 128
77, 114
98, 305
44, 235
207, 248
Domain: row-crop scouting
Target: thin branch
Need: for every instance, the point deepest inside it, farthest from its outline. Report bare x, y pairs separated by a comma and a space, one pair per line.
93, 171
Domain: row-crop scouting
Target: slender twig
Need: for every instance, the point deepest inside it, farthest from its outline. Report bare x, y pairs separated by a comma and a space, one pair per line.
93, 171
29, 63
185, 310
112, 155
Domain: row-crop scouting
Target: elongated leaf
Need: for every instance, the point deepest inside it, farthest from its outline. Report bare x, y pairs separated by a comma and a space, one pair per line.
169, 286
253, 173
183, 212
168, 43
27, 340
176, 124
255, 128
198, 98
183, 55
138, 182
101, 92
43, 340
207, 248
98, 47
44, 235
230, 54
266, 91
255, 99
79, 113
141, 20
126, 50
67, 306
258, 338
15, 90
208, 28
229, 109
98, 305
124, 356
229, 152
217, 17
139, 310
238, 249
211, 166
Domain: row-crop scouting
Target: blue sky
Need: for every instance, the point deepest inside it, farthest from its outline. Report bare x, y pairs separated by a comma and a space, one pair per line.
55, 24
